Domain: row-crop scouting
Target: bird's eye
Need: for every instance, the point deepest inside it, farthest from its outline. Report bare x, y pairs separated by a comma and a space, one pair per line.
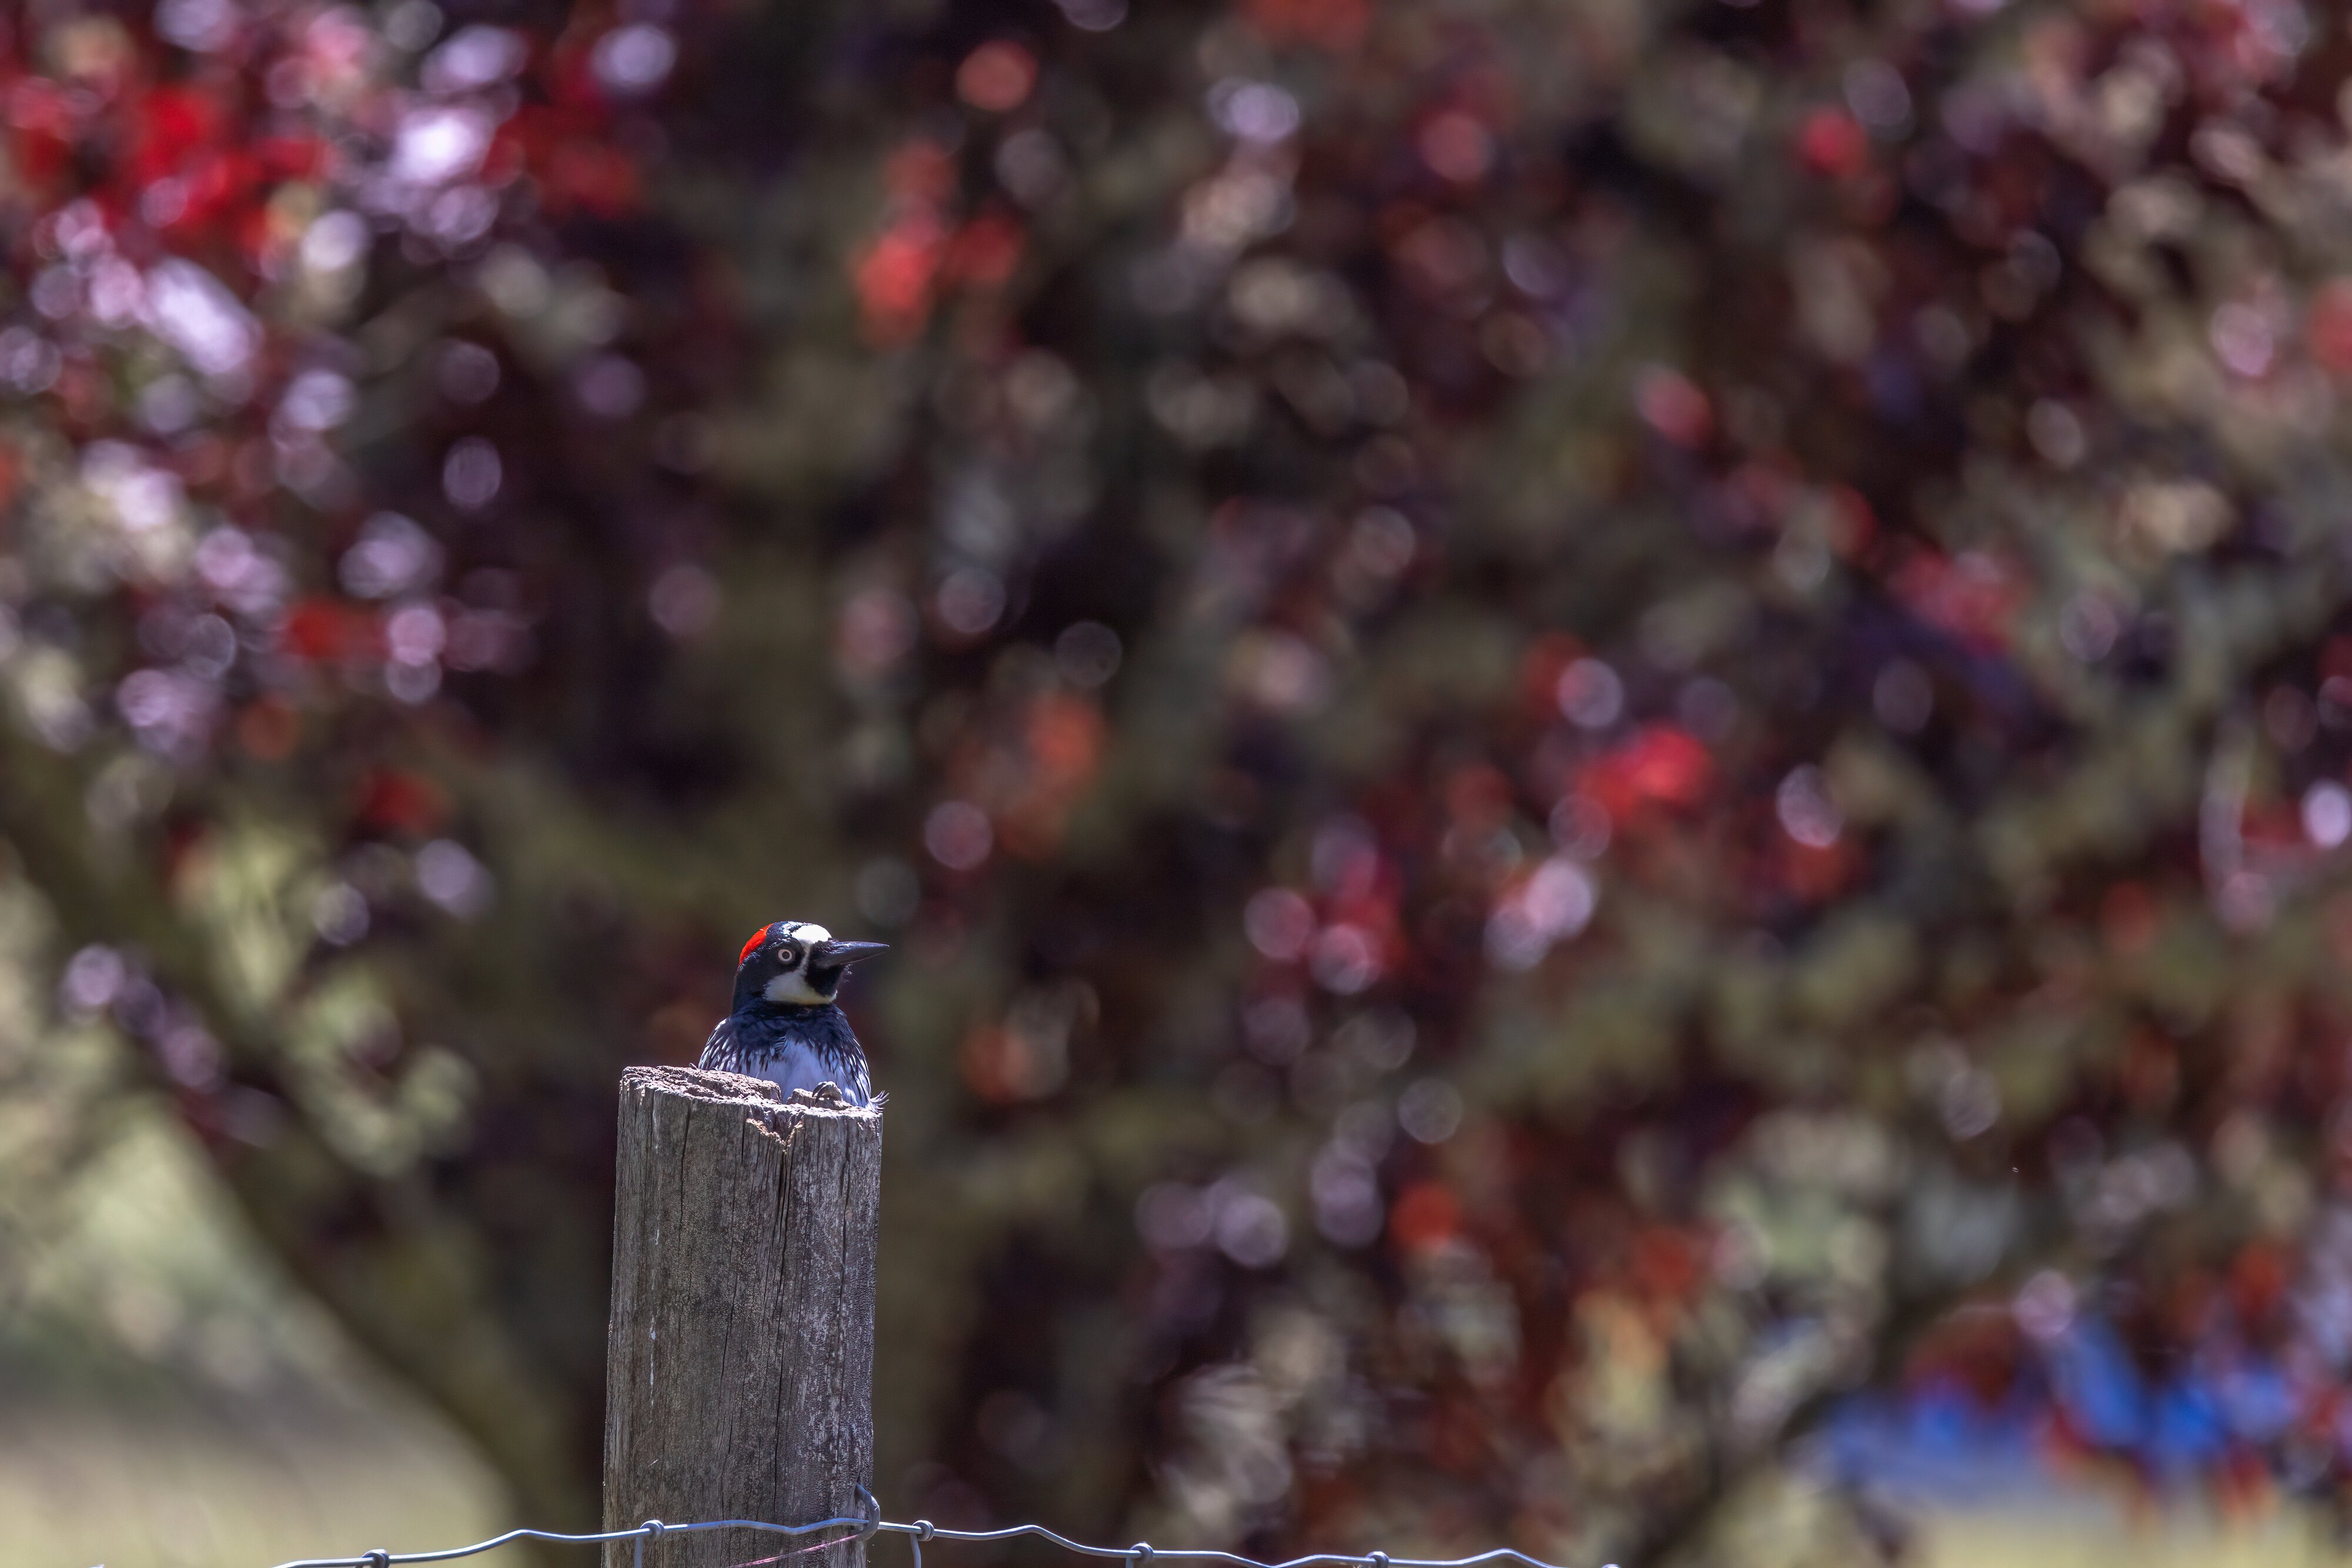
788, 955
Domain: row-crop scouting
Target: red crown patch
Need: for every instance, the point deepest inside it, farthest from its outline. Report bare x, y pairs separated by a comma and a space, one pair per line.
757, 937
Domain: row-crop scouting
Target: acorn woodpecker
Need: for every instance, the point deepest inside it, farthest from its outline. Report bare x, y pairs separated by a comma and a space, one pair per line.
783, 1026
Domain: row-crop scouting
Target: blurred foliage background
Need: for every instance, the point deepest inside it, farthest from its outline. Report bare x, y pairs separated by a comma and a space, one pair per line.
1606, 742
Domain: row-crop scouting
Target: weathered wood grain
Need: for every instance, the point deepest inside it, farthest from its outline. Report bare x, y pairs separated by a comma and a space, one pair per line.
740, 1362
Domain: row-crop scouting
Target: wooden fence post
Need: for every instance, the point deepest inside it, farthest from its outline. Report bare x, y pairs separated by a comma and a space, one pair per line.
740, 1371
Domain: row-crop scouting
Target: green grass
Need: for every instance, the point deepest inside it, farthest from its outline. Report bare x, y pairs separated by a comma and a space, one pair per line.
158, 1484
2086, 1533
168, 1399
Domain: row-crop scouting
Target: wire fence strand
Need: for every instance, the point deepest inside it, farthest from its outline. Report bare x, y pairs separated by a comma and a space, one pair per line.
918, 1533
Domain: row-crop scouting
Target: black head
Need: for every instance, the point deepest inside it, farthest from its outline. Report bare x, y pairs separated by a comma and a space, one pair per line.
796, 963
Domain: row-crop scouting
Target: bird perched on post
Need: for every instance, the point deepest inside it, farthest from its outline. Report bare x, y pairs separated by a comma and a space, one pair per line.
783, 1026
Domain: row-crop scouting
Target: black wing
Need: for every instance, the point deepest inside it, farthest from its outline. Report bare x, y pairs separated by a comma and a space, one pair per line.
722, 1052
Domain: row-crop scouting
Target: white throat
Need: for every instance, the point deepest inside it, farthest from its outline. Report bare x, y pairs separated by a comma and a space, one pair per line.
793, 990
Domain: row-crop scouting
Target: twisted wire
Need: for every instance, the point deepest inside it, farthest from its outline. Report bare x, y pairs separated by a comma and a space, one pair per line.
917, 1533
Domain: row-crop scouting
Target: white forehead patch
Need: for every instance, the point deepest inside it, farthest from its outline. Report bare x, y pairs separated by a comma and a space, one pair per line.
801, 930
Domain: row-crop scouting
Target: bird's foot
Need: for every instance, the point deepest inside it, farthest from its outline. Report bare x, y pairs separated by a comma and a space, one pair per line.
828, 1094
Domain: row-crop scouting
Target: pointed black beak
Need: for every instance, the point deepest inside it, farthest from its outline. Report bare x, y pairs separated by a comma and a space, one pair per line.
841, 954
